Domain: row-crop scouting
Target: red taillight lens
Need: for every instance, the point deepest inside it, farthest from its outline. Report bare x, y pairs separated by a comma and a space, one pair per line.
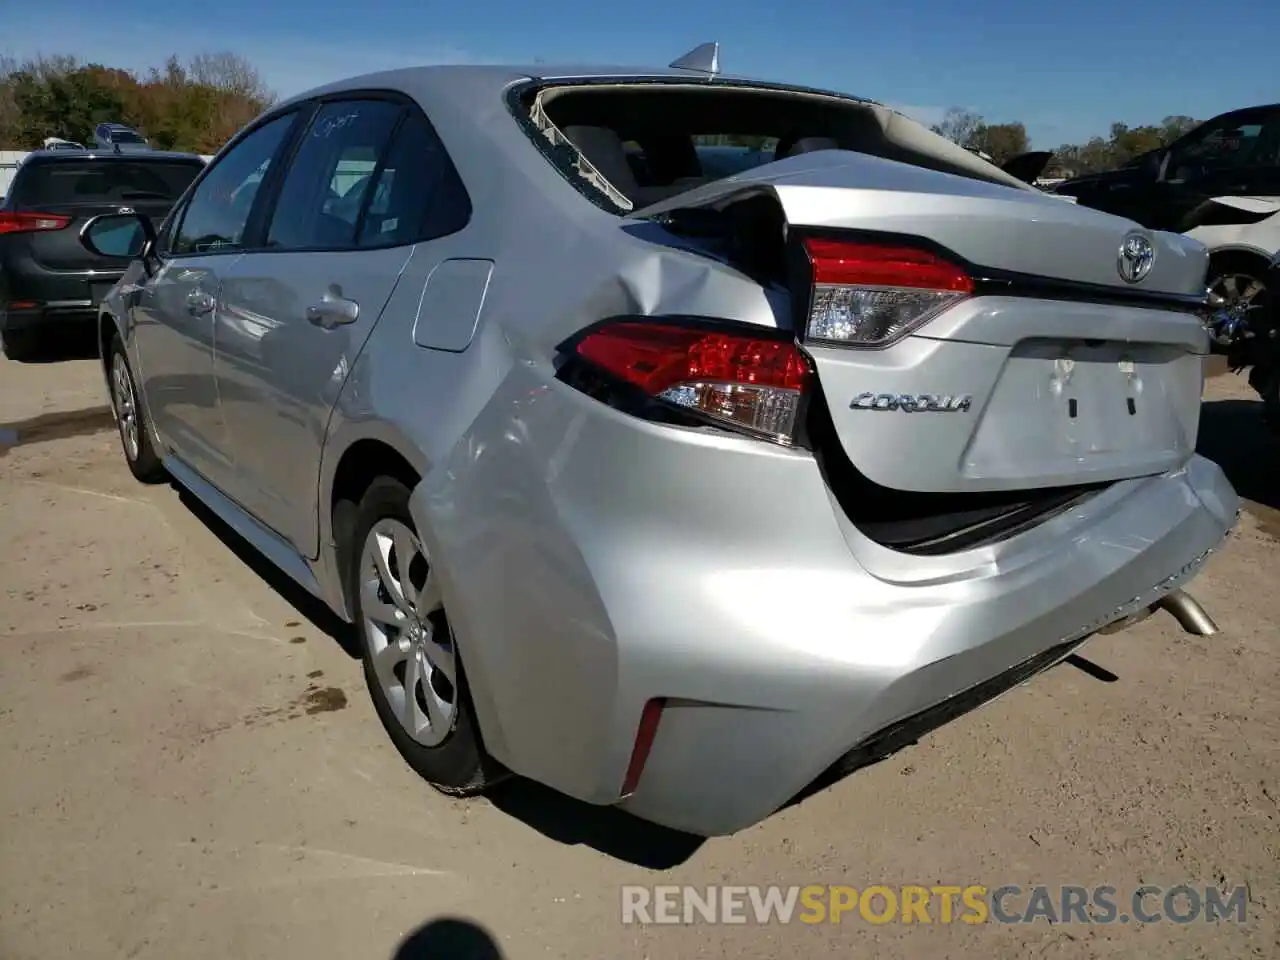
841, 262
31, 222
871, 294
743, 380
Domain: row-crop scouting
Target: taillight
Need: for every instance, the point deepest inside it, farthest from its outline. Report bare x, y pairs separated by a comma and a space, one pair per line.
31, 222
752, 380
869, 295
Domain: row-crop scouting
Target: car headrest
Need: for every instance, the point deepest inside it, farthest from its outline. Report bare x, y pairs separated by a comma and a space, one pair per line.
808, 145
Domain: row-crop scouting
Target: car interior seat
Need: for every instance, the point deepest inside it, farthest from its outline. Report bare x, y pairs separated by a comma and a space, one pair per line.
605, 151
794, 146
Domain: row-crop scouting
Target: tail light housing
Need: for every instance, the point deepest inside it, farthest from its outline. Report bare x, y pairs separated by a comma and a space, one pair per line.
872, 294
749, 379
31, 222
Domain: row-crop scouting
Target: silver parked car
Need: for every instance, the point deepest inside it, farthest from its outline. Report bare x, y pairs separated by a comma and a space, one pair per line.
669, 492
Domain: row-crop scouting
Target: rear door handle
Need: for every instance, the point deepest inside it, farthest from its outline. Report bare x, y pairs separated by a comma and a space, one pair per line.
199, 302
333, 310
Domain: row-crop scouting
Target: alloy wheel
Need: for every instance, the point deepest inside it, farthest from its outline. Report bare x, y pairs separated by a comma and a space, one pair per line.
126, 408
410, 642
1236, 296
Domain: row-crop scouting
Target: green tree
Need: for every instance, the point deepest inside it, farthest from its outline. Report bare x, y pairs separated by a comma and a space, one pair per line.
1128, 143
958, 125
65, 105
1171, 128
1001, 141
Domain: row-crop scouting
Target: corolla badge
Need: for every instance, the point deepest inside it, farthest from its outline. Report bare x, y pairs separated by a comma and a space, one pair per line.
912, 402
1136, 257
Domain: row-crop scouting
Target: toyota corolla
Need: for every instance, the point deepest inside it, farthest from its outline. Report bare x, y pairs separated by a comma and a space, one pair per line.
670, 438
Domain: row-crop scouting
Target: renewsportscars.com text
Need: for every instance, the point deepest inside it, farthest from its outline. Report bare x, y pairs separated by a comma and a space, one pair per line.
973, 904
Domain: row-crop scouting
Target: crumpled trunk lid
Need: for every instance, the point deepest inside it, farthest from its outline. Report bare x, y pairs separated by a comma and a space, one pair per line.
1056, 371
995, 228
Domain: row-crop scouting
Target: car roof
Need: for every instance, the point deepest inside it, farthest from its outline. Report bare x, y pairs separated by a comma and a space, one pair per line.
480, 83
96, 153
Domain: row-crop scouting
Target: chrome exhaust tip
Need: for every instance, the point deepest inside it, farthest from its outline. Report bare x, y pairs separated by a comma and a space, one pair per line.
1189, 614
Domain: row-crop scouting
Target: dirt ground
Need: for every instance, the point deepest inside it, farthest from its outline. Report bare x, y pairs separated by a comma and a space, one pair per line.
190, 766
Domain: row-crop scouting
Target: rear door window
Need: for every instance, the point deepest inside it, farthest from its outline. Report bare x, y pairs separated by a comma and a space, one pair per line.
324, 189
67, 183
418, 194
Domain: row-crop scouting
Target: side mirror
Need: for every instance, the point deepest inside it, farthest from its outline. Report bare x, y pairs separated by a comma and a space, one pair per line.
119, 236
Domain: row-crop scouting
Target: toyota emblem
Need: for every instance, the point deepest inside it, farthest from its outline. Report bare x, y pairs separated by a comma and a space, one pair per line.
1136, 257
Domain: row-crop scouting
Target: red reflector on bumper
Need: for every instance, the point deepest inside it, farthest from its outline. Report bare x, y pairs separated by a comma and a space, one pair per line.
645, 734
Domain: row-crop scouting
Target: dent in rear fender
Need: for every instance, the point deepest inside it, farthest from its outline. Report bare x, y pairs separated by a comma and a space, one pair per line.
533, 634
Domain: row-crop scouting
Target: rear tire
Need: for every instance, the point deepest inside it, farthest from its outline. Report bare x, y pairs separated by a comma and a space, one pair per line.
411, 664
131, 419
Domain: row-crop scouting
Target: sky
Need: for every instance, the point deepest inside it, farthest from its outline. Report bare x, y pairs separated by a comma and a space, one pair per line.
1067, 70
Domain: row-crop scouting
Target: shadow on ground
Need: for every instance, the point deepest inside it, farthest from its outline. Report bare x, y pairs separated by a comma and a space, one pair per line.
449, 938
1233, 435
58, 425
314, 610
607, 830
558, 817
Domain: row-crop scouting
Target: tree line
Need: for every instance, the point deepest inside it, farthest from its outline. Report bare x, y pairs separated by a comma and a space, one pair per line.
194, 106
1003, 141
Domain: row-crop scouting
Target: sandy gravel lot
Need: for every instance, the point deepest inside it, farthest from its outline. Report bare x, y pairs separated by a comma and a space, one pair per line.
190, 766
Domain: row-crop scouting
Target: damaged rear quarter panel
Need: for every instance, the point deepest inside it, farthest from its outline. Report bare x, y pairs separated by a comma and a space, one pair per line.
488, 424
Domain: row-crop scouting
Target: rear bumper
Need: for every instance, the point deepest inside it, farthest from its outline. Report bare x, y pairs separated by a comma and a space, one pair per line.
47, 317
33, 298
592, 563
717, 767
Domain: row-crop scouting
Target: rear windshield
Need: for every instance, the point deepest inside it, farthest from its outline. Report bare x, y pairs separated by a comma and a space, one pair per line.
633, 144
67, 182
125, 136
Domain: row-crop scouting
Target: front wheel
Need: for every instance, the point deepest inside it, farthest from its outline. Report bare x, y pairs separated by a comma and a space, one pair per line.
411, 662
135, 438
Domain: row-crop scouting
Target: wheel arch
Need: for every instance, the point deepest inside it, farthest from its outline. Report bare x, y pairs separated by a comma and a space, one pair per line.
361, 462
108, 327
379, 451
1238, 253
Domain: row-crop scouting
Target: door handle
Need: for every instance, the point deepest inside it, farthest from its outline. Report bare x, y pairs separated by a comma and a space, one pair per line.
199, 302
333, 310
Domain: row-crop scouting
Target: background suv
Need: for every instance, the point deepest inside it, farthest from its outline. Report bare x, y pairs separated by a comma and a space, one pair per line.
47, 278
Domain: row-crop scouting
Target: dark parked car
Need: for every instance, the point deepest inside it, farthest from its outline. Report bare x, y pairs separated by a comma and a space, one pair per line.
118, 137
1218, 184
47, 278
1236, 154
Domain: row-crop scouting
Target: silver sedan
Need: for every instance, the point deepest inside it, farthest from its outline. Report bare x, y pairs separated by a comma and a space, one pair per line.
673, 439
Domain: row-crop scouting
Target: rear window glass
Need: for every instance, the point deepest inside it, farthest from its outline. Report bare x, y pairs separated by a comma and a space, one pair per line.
103, 182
